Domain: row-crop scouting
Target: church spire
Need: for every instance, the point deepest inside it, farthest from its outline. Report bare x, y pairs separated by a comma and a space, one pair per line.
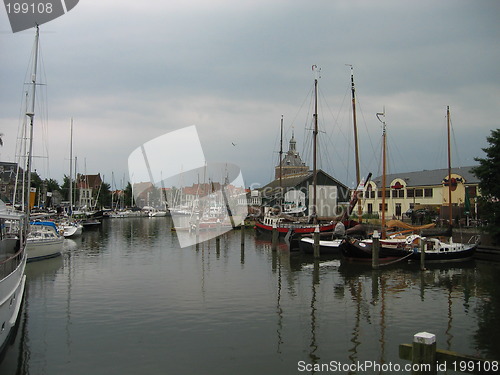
293, 145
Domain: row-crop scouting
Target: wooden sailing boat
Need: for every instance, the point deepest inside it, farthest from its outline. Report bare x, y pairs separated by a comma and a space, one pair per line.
289, 227
390, 249
332, 242
408, 247
436, 249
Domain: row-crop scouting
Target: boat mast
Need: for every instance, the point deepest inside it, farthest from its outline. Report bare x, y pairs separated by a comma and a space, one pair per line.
71, 169
384, 146
315, 140
31, 115
449, 166
281, 161
356, 147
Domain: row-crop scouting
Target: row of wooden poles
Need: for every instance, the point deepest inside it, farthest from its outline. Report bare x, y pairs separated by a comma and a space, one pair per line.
217, 240
375, 247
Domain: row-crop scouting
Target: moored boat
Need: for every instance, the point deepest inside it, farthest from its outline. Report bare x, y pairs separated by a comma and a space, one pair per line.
43, 241
284, 227
438, 251
12, 265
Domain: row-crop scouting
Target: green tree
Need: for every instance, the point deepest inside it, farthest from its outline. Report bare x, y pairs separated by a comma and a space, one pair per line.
52, 185
65, 188
489, 183
104, 198
128, 195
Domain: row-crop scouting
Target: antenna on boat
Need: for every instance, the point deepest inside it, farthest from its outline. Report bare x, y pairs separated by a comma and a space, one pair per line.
317, 71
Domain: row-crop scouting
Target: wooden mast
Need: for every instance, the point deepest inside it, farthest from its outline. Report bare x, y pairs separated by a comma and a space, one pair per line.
384, 145
450, 207
315, 139
356, 147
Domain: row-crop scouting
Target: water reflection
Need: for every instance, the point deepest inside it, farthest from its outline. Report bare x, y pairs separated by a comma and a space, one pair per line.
128, 291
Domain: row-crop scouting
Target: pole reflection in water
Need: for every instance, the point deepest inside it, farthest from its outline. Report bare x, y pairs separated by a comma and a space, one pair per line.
127, 299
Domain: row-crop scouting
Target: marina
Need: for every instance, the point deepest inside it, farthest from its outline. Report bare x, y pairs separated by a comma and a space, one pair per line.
190, 265
127, 299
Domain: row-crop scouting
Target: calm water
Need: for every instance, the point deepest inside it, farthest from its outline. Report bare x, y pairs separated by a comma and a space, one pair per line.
127, 300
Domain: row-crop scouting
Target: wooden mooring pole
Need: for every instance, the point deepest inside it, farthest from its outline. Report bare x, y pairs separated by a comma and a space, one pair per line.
242, 233
275, 238
422, 254
427, 359
375, 250
316, 242
217, 243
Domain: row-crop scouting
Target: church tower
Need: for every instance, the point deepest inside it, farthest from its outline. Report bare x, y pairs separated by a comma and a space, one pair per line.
291, 164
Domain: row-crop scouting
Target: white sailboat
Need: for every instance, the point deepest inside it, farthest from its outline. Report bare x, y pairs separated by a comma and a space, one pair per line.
71, 228
42, 240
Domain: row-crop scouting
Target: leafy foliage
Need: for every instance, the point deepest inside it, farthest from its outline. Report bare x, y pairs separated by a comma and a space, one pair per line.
488, 172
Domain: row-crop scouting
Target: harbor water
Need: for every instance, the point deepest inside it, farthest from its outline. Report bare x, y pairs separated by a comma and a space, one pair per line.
126, 299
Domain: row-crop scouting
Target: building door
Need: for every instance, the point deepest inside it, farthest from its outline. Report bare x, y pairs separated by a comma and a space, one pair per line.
398, 210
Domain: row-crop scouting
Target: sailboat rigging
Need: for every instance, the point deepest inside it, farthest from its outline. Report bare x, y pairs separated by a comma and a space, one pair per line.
43, 240
290, 225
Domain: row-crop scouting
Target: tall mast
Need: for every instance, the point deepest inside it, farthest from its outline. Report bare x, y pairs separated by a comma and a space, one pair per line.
356, 147
71, 170
449, 165
31, 115
384, 146
281, 158
315, 141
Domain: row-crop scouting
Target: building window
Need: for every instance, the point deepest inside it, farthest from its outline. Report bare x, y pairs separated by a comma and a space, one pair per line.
419, 192
410, 193
370, 208
380, 207
398, 193
428, 193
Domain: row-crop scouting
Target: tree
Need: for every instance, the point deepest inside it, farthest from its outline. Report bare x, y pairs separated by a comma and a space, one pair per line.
52, 185
104, 198
65, 188
128, 195
489, 183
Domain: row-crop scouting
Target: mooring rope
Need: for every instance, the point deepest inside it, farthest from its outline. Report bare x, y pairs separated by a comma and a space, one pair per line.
397, 260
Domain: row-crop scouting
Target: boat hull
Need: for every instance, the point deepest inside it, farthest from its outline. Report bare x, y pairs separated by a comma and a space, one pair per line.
41, 249
11, 296
332, 246
295, 228
356, 250
462, 254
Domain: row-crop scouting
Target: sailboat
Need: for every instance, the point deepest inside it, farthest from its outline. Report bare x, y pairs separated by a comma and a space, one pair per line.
289, 226
43, 239
408, 246
437, 249
71, 228
332, 242
390, 249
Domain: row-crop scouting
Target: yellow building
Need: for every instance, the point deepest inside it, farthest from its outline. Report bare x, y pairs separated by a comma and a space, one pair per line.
424, 189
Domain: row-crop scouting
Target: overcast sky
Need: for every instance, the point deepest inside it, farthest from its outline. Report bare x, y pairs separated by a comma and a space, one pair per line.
130, 71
